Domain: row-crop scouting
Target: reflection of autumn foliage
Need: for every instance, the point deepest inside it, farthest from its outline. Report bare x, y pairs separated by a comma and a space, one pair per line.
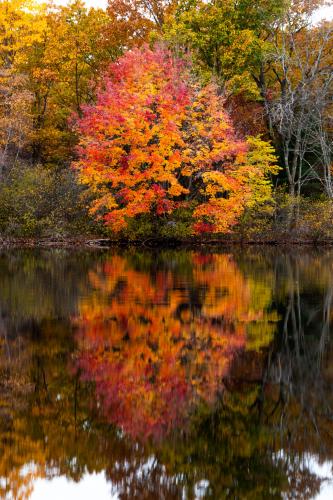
16, 466
156, 344
22, 459
267, 433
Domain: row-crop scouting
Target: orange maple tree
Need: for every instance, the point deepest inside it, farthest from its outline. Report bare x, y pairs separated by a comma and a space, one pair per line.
156, 141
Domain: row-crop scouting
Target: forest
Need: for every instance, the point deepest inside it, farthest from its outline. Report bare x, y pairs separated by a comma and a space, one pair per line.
187, 120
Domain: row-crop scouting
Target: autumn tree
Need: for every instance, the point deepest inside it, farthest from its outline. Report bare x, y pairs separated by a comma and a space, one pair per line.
133, 21
63, 69
227, 39
20, 28
271, 53
156, 141
51, 58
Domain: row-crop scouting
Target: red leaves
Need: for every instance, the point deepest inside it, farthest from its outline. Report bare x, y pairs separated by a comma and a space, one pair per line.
151, 135
123, 163
203, 227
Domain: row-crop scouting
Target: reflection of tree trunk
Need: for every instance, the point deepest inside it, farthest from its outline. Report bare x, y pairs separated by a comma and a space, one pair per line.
40, 380
326, 324
297, 366
76, 387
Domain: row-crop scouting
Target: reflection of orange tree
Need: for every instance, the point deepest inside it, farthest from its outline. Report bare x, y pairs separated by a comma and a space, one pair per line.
22, 458
156, 345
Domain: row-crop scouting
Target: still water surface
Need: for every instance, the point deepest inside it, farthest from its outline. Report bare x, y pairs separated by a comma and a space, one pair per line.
166, 375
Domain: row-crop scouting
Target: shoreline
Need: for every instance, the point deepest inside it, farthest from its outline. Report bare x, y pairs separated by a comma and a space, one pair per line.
153, 243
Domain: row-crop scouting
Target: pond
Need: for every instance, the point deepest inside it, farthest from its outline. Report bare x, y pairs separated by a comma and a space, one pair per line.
172, 374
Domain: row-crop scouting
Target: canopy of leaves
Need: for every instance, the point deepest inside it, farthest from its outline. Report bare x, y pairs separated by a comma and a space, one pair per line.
156, 141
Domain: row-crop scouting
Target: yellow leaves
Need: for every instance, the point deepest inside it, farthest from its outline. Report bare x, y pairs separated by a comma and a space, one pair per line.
243, 84
56, 49
262, 162
21, 25
262, 155
243, 181
217, 182
177, 189
20, 28
106, 201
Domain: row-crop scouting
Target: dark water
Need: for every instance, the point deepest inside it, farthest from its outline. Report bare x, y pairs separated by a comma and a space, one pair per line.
166, 375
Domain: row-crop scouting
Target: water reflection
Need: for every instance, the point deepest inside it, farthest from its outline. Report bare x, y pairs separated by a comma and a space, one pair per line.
175, 374
159, 341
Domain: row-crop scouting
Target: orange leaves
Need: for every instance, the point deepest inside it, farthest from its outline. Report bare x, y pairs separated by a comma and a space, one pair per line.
155, 139
132, 137
156, 346
233, 171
